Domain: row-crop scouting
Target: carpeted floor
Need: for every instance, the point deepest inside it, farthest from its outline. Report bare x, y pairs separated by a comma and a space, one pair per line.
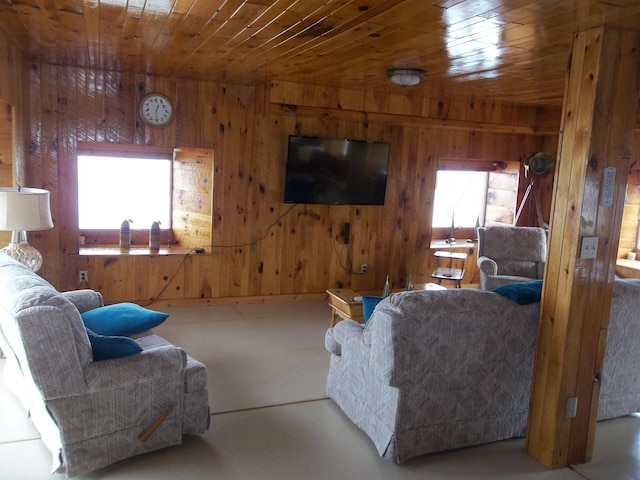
271, 420
257, 355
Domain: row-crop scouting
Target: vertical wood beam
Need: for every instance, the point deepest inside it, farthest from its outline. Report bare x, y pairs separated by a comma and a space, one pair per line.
597, 130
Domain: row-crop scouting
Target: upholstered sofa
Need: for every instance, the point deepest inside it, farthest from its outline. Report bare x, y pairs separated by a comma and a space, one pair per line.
510, 254
92, 413
436, 370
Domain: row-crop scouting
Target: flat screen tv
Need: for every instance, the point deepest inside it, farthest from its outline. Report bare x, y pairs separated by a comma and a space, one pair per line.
335, 171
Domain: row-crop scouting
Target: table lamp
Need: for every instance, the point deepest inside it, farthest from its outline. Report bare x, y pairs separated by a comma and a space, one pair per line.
23, 210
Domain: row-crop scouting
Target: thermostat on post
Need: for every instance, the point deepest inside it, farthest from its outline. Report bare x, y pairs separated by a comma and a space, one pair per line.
199, 250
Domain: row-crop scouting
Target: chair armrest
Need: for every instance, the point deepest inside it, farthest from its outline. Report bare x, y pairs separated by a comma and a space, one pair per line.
139, 368
345, 332
487, 265
84, 300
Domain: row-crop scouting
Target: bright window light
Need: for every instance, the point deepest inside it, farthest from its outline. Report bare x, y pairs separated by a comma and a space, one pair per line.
112, 189
460, 195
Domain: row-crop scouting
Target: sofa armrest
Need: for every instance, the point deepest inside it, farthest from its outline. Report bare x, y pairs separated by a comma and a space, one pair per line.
139, 368
488, 266
84, 300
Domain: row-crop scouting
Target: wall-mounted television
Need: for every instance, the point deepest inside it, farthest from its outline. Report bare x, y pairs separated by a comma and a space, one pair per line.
335, 171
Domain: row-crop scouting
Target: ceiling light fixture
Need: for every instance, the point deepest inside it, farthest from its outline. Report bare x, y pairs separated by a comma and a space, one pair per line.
405, 77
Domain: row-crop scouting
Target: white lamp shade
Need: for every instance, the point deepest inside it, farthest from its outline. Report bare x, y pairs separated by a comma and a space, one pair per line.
24, 209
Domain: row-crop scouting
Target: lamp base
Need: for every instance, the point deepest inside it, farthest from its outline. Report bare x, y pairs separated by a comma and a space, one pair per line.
25, 254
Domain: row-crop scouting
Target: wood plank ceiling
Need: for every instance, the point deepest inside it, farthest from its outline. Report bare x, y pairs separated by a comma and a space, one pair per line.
509, 50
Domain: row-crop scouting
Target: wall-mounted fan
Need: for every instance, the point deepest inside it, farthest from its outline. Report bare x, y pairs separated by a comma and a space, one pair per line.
539, 165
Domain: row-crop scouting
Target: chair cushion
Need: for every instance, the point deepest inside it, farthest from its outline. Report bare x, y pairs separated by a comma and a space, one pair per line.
522, 292
518, 268
106, 347
123, 319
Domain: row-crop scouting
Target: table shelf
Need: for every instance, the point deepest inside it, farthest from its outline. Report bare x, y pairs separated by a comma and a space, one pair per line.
454, 271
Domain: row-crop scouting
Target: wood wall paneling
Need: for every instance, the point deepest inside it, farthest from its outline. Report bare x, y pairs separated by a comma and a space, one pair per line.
631, 216
14, 109
6, 144
303, 249
247, 129
6, 154
192, 197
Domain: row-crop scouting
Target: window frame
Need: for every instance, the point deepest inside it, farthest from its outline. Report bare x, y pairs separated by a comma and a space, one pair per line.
139, 236
476, 165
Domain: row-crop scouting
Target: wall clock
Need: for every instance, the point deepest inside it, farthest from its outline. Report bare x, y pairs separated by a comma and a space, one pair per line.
156, 110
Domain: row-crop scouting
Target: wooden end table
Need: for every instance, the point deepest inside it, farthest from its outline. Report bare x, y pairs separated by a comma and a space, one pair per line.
343, 305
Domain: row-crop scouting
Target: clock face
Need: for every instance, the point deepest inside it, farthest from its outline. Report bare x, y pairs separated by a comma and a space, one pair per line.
156, 110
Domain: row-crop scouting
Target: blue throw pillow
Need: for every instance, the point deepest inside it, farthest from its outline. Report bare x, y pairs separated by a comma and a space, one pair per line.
521, 292
122, 319
107, 347
369, 305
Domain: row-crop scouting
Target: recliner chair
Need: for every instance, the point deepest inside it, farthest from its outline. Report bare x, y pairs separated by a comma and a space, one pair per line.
509, 254
90, 413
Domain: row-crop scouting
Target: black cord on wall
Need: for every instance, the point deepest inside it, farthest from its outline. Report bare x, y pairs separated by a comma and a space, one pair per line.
349, 266
248, 244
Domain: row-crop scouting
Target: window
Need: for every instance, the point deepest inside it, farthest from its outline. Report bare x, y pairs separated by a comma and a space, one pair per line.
460, 198
118, 182
144, 184
112, 189
469, 192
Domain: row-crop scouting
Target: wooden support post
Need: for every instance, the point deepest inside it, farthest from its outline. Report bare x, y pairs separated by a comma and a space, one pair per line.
597, 129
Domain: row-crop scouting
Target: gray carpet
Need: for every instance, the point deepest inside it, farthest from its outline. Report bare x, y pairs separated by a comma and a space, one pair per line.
256, 355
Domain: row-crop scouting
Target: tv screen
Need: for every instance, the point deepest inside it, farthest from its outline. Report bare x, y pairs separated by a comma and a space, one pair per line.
336, 171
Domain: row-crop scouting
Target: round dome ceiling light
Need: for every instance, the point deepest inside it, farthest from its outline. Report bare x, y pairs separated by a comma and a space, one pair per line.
405, 77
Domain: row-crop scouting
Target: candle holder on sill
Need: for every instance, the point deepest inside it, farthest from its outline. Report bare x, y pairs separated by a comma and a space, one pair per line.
452, 232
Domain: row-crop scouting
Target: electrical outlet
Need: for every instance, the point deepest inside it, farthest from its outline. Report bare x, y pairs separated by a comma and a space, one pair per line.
83, 276
363, 268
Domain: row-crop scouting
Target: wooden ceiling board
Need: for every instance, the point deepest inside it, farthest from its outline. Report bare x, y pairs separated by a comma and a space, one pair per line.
514, 50
346, 42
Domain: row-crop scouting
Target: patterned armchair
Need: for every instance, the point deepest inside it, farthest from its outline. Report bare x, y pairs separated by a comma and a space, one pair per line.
508, 254
92, 413
434, 370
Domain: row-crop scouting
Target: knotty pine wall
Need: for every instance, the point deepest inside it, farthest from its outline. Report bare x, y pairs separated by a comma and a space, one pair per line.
303, 247
14, 106
265, 248
631, 214
48, 109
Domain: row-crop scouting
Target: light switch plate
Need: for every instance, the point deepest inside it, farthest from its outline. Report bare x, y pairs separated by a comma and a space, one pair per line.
589, 248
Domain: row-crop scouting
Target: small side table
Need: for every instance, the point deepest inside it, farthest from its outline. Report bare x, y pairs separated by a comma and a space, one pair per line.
454, 269
343, 304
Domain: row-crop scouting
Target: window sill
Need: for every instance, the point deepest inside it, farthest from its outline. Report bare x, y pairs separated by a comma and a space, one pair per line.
112, 250
443, 244
628, 268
